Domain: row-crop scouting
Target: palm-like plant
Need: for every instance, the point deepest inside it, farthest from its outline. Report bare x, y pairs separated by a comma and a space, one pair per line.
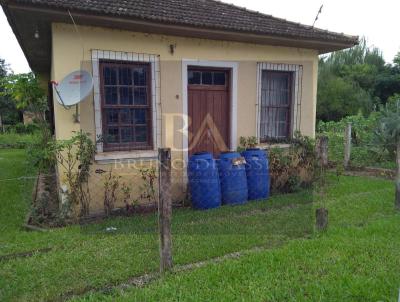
389, 132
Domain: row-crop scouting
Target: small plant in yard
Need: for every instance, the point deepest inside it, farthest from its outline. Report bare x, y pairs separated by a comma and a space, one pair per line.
111, 185
148, 188
388, 134
114, 189
247, 143
128, 201
75, 156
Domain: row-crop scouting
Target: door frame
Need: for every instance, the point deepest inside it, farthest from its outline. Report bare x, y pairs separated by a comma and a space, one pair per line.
233, 67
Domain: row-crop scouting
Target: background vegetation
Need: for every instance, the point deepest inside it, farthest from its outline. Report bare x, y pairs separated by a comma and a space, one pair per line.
355, 81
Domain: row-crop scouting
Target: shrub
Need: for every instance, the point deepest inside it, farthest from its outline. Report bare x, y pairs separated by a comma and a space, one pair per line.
294, 167
75, 156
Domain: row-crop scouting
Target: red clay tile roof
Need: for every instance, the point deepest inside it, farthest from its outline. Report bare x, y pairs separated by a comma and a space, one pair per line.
209, 14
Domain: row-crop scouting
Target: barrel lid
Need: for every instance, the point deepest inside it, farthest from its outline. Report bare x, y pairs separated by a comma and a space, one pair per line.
201, 155
253, 151
229, 155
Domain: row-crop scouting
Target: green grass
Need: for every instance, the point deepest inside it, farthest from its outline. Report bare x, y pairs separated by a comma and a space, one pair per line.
14, 191
89, 257
357, 264
15, 140
361, 220
357, 259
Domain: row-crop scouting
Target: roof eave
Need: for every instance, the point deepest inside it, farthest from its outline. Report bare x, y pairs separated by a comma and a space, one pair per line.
83, 18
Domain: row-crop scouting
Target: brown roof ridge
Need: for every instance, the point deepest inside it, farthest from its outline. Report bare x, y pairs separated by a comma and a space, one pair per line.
262, 14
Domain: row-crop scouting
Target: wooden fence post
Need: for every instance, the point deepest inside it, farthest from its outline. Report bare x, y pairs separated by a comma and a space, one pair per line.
397, 202
165, 209
2, 128
347, 146
321, 219
322, 151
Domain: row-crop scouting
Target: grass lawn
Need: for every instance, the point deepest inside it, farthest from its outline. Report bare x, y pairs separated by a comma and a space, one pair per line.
90, 257
357, 259
347, 264
15, 140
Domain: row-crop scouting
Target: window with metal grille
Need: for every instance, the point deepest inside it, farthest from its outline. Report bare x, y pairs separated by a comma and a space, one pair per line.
126, 105
276, 105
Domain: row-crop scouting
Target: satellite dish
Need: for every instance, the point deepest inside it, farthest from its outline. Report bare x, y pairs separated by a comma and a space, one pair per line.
74, 88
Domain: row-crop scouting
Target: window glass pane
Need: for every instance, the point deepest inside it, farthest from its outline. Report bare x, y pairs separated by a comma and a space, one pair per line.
283, 114
139, 76
275, 104
125, 76
112, 135
219, 78
110, 76
141, 134
112, 116
125, 95
194, 77
125, 116
140, 116
140, 95
272, 129
126, 134
111, 95
206, 78
282, 130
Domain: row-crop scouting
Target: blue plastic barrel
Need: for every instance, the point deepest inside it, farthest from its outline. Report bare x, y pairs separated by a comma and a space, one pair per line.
232, 173
204, 182
257, 171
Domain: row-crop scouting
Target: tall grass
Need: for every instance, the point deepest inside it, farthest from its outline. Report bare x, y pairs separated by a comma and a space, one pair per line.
15, 140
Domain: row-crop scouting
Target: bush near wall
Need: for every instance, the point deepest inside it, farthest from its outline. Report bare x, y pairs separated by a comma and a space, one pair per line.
293, 167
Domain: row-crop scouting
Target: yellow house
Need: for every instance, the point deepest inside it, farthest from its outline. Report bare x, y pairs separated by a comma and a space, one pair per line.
192, 75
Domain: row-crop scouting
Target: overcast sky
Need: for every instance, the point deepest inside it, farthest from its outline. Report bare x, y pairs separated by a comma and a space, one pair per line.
378, 21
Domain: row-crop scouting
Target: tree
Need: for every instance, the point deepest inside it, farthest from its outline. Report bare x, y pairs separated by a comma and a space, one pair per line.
338, 98
396, 60
355, 80
27, 94
8, 111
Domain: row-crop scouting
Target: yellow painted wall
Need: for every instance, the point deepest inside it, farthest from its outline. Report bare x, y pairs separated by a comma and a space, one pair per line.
68, 55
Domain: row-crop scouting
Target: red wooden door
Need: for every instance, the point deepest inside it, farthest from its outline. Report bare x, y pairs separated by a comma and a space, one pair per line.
209, 114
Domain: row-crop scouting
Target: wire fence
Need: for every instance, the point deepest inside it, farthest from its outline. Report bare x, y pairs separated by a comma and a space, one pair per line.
123, 245
365, 149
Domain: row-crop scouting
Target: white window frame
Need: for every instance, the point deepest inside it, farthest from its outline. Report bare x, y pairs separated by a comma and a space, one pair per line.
154, 60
